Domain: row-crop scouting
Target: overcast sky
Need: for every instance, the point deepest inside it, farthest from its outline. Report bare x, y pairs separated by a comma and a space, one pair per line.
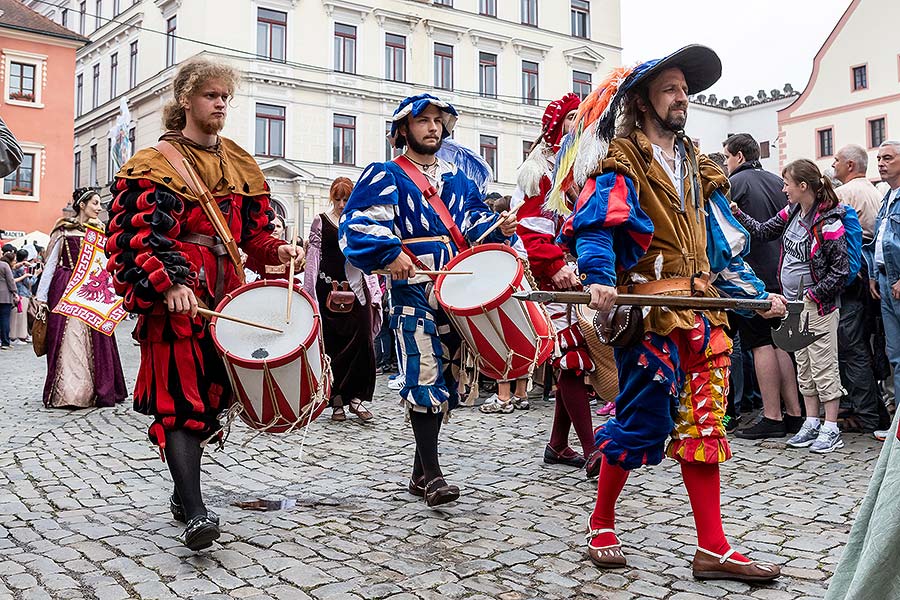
763, 44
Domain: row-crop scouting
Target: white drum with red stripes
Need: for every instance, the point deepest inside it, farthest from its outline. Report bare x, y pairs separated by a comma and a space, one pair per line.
510, 337
281, 379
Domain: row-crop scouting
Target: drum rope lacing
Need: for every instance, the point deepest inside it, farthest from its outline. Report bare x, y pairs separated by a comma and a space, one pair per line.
306, 412
471, 358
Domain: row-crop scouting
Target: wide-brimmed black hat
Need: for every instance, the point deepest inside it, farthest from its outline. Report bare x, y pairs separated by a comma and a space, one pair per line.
701, 67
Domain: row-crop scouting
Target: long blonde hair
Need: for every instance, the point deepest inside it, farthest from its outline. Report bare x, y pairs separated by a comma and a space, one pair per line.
191, 76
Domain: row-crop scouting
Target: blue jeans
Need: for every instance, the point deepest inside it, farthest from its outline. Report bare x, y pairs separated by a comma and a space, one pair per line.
890, 314
5, 311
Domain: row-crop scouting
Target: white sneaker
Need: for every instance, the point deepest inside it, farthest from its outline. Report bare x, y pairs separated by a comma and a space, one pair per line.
805, 437
829, 440
881, 434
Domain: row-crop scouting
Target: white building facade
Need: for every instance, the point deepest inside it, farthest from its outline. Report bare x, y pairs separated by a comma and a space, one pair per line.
322, 77
712, 120
853, 94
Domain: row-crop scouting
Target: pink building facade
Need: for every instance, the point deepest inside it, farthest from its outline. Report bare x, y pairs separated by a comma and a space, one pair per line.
37, 72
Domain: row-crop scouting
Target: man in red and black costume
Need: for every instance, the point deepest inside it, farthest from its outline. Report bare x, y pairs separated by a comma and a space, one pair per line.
538, 229
167, 258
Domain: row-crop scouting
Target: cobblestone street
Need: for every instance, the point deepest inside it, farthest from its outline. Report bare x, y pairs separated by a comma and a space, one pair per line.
84, 511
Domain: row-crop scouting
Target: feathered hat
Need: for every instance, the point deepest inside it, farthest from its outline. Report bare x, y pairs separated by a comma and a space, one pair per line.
468, 161
538, 163
595, 125
414, 105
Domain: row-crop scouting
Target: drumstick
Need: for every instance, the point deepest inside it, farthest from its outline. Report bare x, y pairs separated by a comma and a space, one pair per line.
498, 223
211, 313
290, 288
433, 273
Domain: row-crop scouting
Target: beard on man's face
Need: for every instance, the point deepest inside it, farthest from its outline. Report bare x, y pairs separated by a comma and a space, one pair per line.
423, 147
211, 125
676, 122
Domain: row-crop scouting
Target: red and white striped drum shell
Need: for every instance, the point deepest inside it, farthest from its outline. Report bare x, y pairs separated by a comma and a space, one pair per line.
281, 379
510, 337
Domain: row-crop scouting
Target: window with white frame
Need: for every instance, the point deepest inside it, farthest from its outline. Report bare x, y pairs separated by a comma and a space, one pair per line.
530, 83
92, 172
487, 74
25, 182
269, 130
581, 84
95, 91
487, 8
77, 182
113, 74
581, 18
23, 79
394, 57
271, 34
79, 94
344, 140
488, 148
21, 181
443, 66
530, 12
132, 63
344, 48
171, 28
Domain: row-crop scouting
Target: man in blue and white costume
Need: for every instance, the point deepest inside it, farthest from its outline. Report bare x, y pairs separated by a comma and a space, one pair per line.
389, 223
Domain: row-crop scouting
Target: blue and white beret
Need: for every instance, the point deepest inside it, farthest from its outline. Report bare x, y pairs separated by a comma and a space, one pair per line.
414, 105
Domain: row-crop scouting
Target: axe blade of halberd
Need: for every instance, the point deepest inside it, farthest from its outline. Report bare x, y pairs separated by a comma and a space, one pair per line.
790, 336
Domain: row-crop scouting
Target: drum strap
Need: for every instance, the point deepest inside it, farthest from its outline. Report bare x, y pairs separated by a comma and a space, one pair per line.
434, 201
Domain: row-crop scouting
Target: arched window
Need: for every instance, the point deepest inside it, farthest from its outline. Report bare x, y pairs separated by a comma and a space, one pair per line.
278, 207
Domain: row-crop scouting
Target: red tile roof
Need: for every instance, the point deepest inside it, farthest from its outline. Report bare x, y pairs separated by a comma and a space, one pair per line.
17, 16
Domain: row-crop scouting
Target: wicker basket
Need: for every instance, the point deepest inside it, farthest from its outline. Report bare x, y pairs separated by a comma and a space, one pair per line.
604, 378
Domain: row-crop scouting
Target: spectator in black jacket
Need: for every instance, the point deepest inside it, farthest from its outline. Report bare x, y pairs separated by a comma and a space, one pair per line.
759, 194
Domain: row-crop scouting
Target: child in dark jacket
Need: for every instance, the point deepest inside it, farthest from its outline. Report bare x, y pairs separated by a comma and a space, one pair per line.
813, 268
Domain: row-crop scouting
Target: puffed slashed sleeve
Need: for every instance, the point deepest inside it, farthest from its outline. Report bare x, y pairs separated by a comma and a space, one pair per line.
365, 234
144, 254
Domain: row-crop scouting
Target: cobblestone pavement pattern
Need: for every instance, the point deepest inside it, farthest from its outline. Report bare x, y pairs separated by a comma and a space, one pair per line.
84, 513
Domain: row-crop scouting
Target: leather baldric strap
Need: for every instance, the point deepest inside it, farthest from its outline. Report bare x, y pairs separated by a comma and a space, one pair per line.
434, 200
207, 202
694, 286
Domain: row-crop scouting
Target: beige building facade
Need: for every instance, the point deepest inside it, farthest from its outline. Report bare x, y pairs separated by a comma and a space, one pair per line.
853, 95
322, 77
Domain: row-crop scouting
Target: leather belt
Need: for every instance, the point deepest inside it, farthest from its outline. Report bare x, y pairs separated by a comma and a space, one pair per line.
217, 248
696, 285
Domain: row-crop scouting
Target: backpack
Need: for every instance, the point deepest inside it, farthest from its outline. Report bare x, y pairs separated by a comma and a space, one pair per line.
853, 235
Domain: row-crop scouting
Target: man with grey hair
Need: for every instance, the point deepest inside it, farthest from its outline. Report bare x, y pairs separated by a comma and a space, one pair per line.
882, 255
850, 164
862, 408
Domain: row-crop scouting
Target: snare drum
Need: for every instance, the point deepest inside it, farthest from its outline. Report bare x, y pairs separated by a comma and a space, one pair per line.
510, 337
281, 379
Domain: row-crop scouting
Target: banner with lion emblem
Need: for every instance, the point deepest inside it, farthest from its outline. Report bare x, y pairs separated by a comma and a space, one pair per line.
89, 295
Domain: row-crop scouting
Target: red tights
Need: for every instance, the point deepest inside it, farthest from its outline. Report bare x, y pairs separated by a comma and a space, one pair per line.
573, 408
702, 483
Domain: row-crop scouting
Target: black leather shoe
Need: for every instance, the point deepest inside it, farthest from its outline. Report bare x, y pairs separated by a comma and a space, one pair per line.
439, 492
552, 457
178, 511
200, 533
